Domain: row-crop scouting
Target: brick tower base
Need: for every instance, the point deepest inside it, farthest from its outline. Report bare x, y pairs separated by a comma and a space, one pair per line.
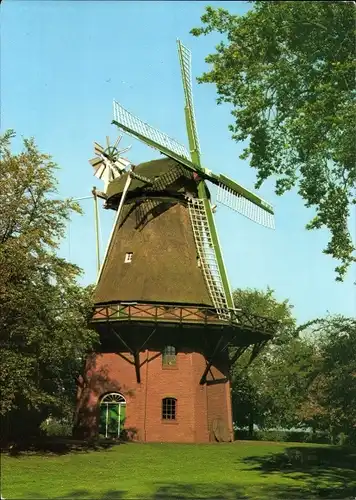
202, 412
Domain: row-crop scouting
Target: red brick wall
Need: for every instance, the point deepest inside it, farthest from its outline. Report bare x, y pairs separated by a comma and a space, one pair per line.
200, 398
219, 397
197, 405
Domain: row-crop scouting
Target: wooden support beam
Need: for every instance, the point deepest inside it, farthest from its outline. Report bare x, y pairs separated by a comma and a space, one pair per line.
147, 339
135, 353
239, 352
221, 380
257, 348
210, 362
137, 366
121, 340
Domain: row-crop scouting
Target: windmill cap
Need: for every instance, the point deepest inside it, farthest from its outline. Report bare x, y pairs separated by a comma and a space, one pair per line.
152, 170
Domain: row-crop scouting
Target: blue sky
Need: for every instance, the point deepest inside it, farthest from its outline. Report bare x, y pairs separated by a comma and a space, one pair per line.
62, 64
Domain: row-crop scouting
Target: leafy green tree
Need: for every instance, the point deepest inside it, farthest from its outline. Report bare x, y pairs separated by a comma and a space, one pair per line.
288, 70
43, 311
251, 400
329, 402
284, 382
306, 378
263, 303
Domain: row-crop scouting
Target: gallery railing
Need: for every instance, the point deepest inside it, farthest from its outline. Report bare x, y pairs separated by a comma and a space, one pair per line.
130, 312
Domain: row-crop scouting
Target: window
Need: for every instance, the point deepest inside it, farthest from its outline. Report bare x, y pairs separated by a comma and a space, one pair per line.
169, 406
169, 357
112, 414
128, 257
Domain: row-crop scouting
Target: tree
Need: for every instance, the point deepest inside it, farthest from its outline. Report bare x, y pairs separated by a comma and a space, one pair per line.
251, 398
288, 70
305, 376
43, 311
329, 402
263, 303
286, 377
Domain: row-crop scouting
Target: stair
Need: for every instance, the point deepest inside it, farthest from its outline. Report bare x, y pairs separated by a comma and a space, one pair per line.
207, 256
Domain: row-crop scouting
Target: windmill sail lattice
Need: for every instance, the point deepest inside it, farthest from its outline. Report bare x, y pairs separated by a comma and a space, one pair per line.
207, 255
186, 65
244, 206
141, 130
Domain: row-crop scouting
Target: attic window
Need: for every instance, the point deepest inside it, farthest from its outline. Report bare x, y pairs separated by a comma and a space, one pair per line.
169, 356
128, 257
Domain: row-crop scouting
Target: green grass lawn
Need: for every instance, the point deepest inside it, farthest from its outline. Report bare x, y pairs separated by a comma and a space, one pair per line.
248, 470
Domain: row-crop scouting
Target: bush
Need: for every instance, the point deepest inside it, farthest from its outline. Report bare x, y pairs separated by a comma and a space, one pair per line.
285, 436
55, 427
271, 435
307, 437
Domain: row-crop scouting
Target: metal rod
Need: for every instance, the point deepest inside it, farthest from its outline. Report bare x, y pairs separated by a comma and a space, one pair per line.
82, 198
108, 246
116, 221
96, 218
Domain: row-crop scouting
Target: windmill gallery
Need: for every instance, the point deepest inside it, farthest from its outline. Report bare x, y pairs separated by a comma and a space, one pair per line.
162, 304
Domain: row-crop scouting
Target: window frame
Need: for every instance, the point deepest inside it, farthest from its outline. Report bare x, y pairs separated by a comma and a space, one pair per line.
169, 360
169, 405
128, 257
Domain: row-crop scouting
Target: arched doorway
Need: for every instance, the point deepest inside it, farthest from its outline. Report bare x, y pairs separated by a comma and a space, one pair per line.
112, 414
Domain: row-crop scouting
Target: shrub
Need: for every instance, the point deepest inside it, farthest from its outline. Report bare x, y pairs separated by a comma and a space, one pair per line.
298, 436
56, 427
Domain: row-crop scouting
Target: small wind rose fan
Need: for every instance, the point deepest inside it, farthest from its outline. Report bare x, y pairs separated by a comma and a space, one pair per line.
108, 163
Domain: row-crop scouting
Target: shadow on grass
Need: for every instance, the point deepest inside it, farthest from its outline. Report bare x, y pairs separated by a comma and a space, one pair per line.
220, 491
59, 446
324, 472
166, 491
176, 491
83, 494
212, 491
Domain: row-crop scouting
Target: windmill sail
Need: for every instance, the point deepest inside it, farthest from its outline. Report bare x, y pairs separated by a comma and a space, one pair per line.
229, 193
185, 59
149, 135
240, 199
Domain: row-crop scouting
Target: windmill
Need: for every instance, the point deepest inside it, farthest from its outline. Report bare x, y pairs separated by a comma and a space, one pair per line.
162, 303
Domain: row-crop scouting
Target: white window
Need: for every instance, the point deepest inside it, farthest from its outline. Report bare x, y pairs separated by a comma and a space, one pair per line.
128, 257
112, 415
169, 356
